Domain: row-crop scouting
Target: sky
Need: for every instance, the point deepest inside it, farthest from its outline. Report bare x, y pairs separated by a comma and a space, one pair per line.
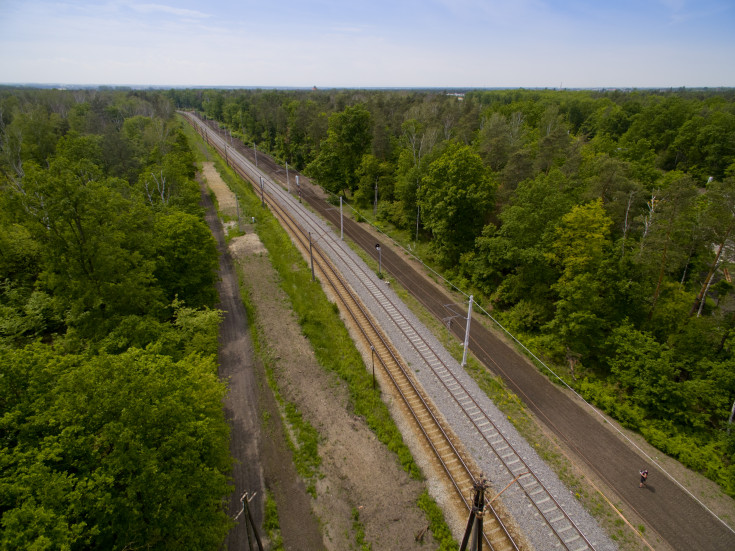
370, 43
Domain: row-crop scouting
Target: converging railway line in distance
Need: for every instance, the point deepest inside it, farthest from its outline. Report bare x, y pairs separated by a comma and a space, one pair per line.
673, 510
450, 460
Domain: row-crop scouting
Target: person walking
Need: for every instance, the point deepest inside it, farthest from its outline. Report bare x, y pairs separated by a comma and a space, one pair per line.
644, 477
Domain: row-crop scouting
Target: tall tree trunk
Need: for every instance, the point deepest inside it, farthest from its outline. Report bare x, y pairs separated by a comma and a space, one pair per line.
713, 267
660, 278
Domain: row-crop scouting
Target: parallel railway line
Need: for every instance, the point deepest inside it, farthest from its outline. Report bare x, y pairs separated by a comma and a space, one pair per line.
562, 531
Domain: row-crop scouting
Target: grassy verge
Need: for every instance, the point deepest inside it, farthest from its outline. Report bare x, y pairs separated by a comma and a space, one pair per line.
271, 524
439, 529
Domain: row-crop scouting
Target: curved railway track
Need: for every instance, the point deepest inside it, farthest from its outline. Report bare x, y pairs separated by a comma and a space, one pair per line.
562, 531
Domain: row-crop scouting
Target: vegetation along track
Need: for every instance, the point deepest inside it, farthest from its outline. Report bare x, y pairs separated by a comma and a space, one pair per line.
299, 224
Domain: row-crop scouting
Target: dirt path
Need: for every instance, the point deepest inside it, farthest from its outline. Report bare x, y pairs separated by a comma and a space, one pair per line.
262, 458
360, 480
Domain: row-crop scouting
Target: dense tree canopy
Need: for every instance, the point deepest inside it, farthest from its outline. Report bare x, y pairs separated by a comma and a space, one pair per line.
340, 154
456, 197
111, 451
113, 435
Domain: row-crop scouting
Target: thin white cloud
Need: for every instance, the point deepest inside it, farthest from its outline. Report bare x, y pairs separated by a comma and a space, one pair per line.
160, 8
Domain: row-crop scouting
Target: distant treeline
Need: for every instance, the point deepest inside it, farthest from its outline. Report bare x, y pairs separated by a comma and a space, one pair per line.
598, 225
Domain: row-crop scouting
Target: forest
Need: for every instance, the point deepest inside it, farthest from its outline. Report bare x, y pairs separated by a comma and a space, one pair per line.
596, 225
112, 433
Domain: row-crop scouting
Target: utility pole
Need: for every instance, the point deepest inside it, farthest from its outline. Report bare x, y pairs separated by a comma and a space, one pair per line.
380, 259
245, 499
474, 522
341, 221
288, 181
372, 357
311, 256
262, 197
467, 333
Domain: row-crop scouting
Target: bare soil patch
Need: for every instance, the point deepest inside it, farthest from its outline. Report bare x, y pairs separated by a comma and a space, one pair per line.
226, 200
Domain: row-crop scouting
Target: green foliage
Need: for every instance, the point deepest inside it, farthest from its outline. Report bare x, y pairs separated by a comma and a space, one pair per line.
437, 525
110, 407
271, 524
512, 261
340, 155
306, 453
580, 246
186, 258
456, 198
96, 251
375, 181
359, 531
112, 451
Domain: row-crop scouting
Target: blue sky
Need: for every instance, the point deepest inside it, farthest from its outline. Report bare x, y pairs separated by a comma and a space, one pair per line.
371, 43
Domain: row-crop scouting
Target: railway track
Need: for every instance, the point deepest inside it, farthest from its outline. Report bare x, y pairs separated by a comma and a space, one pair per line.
416, 406
562, 531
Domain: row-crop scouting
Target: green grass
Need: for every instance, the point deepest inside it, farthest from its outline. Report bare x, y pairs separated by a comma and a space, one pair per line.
359, 532
439, 529
271, 524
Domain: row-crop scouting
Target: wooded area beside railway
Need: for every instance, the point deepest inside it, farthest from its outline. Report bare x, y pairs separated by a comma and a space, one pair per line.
112, 432
597, 224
